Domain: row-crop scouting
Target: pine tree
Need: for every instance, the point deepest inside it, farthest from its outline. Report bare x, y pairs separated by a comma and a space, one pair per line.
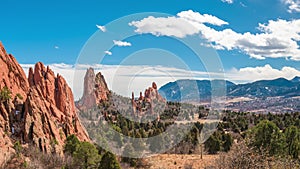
266, 136
109, 161
71, 144
292, 135
86, 155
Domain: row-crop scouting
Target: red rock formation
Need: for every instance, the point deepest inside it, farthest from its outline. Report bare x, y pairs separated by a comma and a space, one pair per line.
13, 77
150, 95
101, 89
41, 109
95, 90
50, 111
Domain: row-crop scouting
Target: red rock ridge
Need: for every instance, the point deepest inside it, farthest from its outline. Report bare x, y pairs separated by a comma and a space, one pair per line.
41, 109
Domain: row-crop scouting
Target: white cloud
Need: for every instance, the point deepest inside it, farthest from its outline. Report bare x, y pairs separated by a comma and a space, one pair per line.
250, 74
179, 26
56, 47
170, 26
121, 43
108, 52
125, 79
102, 28
201, 18
276, 39
228, 1
293, 5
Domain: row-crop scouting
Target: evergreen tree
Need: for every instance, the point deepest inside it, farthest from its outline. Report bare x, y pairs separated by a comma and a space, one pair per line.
266, 136
86, 155
292, 135
227, 142
213, 145
109, 161
71, 144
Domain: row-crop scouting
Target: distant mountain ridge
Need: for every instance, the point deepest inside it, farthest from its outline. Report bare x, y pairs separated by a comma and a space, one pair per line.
296, 79
191, 90
200, 90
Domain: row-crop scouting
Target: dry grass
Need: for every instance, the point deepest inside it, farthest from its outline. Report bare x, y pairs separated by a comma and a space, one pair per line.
179, 161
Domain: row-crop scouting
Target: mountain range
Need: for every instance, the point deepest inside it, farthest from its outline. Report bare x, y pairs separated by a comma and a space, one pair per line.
192, 90
275, 95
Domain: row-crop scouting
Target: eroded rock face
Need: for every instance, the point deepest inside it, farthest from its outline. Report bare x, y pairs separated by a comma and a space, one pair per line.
101, 89
41, 109
12, 75
50, 111
95, 90
13, 78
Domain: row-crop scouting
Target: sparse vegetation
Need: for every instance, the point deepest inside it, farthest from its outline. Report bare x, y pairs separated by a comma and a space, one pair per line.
18, 148
19, 96
86, 155
262, 139
5, 94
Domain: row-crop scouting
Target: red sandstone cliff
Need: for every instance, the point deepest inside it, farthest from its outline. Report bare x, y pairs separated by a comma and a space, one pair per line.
40, 111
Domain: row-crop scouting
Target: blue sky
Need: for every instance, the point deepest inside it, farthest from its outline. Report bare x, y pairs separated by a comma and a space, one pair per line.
56, 31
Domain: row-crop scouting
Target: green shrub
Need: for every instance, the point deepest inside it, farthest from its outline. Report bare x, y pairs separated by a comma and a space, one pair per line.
5, 94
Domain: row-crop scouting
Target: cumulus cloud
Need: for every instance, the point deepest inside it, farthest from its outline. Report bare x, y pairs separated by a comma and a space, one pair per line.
102, 28
178, 26
170, 26
125, 79
293, 5
275, 39
228, 1
108, 52
266, 72
121, 43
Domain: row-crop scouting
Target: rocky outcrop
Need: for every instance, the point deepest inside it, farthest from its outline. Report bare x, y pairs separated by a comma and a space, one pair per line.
39, 110
50, 111
14, 81
12, 75
148, 102
95, 90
